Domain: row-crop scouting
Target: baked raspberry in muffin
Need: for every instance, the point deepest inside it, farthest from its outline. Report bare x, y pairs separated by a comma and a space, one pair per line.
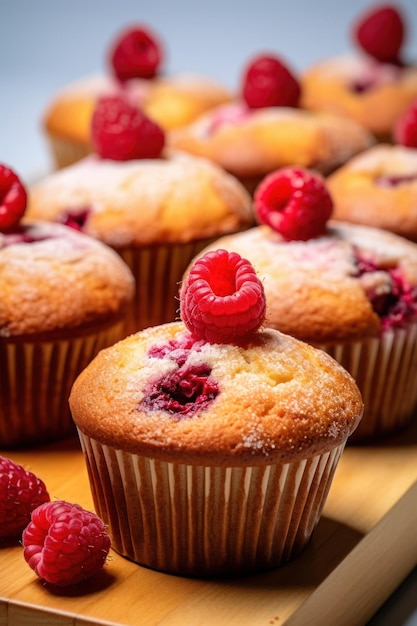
264, 128
211, 443
378, 188
64, 296
374, 83
134, 69
348, 289
157, 208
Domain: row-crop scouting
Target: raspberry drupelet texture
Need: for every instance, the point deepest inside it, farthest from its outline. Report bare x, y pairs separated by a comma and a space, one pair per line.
20, 493
405, 128
222, 300
267, 82
121, 132
13, 199
136, 53
65, 544
294, 202
380, 32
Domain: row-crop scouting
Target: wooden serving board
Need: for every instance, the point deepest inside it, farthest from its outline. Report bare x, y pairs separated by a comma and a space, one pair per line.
364, 546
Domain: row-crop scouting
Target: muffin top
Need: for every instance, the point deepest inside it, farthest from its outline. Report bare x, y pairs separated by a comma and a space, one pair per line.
372, 93
252, 142
347, 284
378, 188
171, 101
175, 199
53, 279
163, 393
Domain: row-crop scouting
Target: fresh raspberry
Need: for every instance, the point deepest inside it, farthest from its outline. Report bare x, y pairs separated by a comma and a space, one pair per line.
136, 53
380, 32
13, 199
294, 202
20, 493
121, 132
65, 544
222, 300
267, 82
405, 128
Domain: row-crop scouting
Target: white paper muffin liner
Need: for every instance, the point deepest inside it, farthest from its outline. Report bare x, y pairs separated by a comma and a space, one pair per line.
36, 380
204, 521
158, 271
385, 370
65, 152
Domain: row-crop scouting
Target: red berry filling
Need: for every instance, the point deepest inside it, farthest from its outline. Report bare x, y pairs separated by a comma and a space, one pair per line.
184, 392
136, 53
20, 493
267, 82
121, 132
64, 543
405, 128
75, 218
395, 305
294, 202
222, 299
395, 181
380, 32
13, 199
21, 235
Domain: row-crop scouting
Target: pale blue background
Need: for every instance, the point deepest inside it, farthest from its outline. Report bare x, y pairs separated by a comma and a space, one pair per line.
44, 44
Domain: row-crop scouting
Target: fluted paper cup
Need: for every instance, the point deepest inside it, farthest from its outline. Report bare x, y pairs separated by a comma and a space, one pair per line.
206, 521
36, 379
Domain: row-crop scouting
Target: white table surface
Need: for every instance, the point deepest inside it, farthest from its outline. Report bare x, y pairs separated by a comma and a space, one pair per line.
44, 44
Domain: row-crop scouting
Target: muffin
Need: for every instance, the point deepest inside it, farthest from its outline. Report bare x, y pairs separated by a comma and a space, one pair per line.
64, 297
250, 143
373, 84
156, 213
210, 443
378, 188
171, 101
348, 289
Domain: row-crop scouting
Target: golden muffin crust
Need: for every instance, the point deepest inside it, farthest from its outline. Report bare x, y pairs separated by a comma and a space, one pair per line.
59, 279
251, 143
312, 288
361, 196
131, 203
327, 86
169, 101
278, 400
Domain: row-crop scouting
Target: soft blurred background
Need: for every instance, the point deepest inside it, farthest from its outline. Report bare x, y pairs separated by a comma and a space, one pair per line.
45, 44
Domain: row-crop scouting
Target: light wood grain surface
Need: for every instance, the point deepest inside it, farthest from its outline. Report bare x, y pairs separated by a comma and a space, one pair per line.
364, 546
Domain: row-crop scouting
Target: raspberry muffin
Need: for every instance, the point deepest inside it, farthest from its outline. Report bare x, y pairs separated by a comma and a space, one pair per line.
215, 450
378, 188
158, 212
264, 128
134, 70
348, 289
64, 297
372, 85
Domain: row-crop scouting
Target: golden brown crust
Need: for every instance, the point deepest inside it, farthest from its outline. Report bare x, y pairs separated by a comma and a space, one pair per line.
133, 203
63, 280
312, 288
170, 101
327, 86
359, 197
251, 143
279, 400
